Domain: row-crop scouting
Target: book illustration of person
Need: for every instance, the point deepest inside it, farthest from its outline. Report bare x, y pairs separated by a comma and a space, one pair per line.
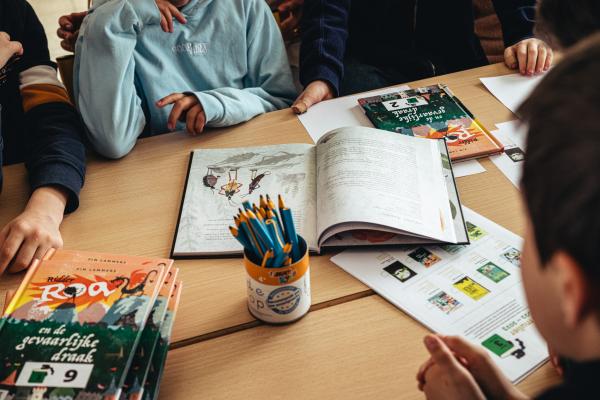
210, 179
255, 180
232, 186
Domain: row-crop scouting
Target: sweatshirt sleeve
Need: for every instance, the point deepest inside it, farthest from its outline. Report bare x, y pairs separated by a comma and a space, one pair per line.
517, 18
268, 85
55, 153
324, 33
104, 76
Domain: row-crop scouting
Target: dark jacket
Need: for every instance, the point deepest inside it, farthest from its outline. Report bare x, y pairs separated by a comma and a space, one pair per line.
580, 382
424, 37
38, 124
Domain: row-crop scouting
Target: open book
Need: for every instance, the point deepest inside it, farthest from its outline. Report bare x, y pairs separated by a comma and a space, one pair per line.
355, 187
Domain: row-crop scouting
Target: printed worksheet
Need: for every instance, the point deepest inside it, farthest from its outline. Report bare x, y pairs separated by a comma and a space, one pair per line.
474, 291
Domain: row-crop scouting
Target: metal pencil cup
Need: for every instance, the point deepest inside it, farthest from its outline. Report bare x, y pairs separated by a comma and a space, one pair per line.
279, 295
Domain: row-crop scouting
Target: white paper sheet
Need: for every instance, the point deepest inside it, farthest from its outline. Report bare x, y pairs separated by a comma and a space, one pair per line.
511, 90
466, 168
474, 291
339, 113
510, 163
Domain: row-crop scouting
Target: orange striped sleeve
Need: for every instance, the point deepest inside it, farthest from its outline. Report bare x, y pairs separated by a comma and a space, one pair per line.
43, 93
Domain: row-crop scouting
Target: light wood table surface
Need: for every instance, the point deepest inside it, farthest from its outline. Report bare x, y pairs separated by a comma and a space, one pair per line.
131, 206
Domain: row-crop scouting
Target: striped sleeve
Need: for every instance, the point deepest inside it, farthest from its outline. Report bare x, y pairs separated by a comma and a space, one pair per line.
40, 85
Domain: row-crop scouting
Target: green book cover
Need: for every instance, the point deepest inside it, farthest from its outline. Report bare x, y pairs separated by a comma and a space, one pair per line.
140, 365
432, 112
71, 329
159, 358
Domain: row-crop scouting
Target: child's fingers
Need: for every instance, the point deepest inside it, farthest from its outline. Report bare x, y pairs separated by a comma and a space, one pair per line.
549, 60
169, 18
510, 58
63, 34
163, 23
25, 255
5, 36
440, 353
178, 109
65, 22
541, 60
172, 98
422, 371
9, 248
15, 47
522, 58
532, 55
200, 121
177, 14
190, 121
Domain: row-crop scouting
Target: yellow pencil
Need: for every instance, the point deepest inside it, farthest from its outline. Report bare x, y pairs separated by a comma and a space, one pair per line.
266, 258
281, 203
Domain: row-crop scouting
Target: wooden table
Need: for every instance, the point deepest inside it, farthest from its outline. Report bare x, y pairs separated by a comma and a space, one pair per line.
352, 344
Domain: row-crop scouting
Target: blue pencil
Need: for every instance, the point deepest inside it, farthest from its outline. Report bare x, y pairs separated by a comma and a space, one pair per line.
260, 230
290, 229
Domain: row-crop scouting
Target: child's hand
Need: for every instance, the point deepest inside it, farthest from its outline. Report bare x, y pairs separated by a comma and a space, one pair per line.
444, 377
314, 93
34, 232
291, 10
68, 29
8, 48
186, 108
167, 12
530, 56
459, 370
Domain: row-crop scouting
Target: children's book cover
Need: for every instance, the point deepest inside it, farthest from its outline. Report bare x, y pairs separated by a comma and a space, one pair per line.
107, 258
432, 112
140, 365
71, 328
157, 366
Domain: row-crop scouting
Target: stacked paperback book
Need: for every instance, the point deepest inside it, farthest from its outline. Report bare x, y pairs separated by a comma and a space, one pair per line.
88, 326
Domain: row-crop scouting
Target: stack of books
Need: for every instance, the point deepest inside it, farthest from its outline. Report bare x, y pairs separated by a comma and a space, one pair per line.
88, 326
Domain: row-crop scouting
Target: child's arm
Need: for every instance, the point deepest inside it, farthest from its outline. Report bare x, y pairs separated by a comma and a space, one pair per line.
35, 231
105, 71
269, 83
461, 371
55, 154
523, 51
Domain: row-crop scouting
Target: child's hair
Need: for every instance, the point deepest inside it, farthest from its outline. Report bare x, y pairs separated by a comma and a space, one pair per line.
561, 173
566, 22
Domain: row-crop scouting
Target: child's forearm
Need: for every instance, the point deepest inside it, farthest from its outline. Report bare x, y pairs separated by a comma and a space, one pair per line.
49, 201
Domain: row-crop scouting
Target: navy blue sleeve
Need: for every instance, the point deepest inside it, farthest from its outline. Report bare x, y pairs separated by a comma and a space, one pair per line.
517, 18
324, 30
56, 154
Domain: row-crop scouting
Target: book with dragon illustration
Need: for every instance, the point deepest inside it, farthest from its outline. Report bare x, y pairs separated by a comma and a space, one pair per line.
159, 357
71, 329
133, 388
432, 112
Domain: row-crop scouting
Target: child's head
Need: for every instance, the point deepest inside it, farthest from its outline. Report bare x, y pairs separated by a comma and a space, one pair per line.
561, 188
565, 22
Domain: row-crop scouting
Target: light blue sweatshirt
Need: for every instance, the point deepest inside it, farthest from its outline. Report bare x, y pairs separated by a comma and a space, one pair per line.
230, 54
